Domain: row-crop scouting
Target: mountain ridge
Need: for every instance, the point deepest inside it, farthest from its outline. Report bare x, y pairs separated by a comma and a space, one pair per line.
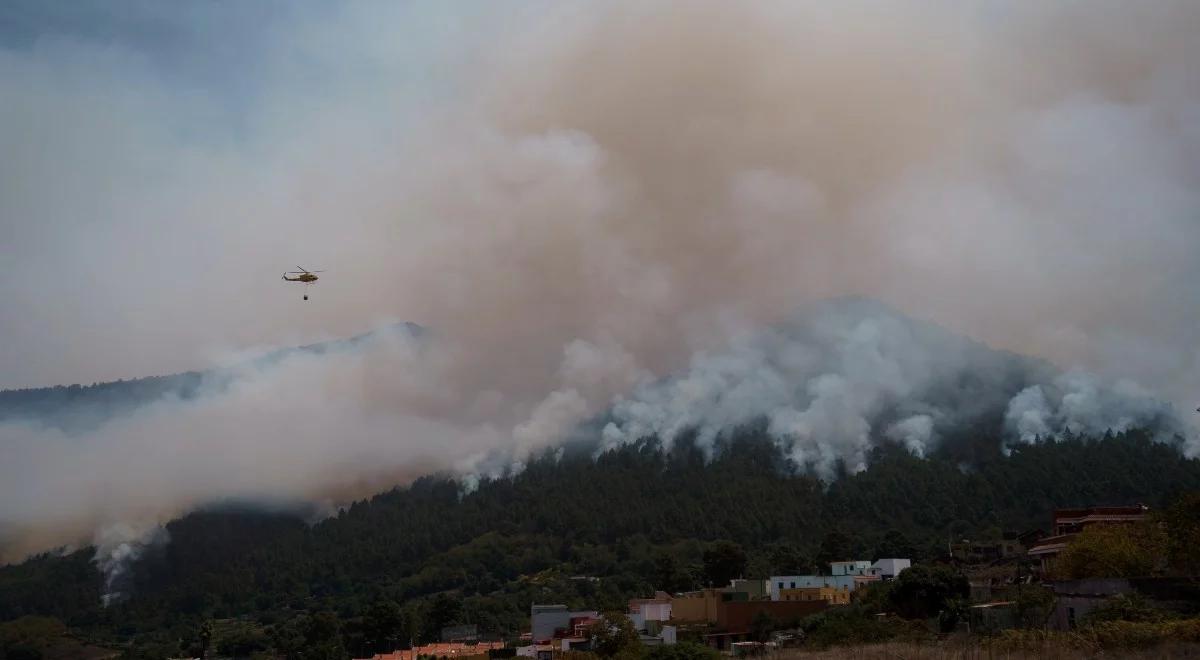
80, 407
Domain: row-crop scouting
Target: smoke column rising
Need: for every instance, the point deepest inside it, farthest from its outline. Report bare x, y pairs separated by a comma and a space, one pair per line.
117, 548
603, 205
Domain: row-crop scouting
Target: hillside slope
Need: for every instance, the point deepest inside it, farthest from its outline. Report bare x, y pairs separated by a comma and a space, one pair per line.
636, 518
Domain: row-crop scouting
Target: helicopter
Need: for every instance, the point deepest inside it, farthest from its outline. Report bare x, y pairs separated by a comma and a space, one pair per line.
302, 275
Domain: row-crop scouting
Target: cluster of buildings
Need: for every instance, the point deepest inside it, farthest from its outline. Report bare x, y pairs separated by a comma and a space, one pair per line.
1070, 522
727, 618
1073, 599
723, 617
1008, 546
844, 577
556, 628
447, 650
991, 564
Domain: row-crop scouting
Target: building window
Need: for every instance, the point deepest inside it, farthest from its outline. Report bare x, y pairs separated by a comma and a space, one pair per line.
793, 585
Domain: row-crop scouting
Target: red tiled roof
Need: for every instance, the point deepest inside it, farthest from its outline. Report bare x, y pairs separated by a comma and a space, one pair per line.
1098, 513
1048, 544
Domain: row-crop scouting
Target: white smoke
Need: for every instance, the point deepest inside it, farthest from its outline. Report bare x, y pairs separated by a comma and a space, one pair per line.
834, 379
592, 205
915, 433
589, 372
118, 546
302, 427
1081, 403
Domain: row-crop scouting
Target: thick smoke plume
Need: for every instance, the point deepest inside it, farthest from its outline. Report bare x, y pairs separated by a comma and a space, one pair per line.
832, 381
1077, 403
602, 211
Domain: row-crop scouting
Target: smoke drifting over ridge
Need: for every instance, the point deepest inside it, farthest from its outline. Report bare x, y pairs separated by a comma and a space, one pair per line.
580, 203
833, 380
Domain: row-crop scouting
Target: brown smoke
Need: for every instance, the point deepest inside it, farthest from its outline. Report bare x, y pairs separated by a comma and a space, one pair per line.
651, 169
595, 194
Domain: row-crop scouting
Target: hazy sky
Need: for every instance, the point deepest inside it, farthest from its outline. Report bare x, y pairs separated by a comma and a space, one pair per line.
164, 162
159, 161
577, 198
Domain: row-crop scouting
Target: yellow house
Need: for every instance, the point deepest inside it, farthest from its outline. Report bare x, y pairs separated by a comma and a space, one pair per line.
833, 595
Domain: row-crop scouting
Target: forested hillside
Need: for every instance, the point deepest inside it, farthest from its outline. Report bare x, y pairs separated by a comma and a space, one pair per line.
582, 531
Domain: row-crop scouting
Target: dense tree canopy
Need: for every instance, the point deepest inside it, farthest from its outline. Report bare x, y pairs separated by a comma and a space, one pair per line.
582, 531
614, 635
925, 590
1181, 522
724, 561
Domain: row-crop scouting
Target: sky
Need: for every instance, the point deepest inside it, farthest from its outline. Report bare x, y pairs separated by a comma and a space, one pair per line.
156, 161
579, 200
162, 161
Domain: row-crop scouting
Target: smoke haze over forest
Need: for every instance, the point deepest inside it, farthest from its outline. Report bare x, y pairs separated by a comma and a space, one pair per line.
627, 215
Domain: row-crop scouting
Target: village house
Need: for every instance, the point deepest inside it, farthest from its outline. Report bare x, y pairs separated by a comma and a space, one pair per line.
856, 567
843, 576
649, 617
1070, 522
550, 622
781, 582
1074, 599
992, 617
754, 589
555, 629
696, 606
649, 610
979, 552
828, 594
888, 569
735, 619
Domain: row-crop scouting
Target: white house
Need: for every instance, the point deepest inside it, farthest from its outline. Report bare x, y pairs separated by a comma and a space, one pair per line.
844, 575
888, 569
858, 567
644, 610
781, 582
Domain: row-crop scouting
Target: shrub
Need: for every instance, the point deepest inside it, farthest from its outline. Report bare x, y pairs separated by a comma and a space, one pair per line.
923, 591
1103, 636
683, 651
1126, 607
851, 627
1113, 551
